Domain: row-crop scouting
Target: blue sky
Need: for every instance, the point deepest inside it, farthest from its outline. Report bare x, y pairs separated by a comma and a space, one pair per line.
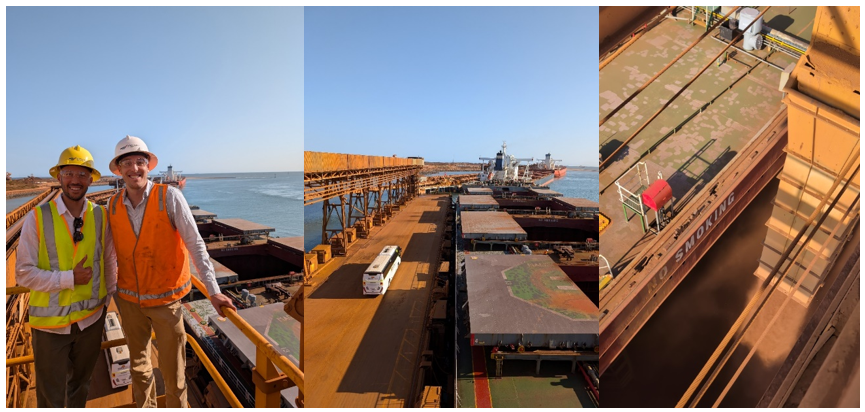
208, 89
452, 83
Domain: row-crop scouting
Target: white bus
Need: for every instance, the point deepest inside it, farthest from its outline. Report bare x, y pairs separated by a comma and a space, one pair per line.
379, 274
118, 356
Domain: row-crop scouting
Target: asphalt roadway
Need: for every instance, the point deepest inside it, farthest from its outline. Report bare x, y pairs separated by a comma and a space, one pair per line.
362, 351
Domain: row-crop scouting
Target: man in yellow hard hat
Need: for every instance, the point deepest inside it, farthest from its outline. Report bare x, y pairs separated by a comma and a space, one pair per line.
155, 235
66, 258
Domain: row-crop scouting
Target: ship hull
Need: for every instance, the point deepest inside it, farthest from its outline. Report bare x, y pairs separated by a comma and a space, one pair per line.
544, 179
560, 172
180, 184
626, 318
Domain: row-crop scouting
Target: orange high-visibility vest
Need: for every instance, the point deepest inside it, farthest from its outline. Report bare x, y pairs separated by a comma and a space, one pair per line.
153, 267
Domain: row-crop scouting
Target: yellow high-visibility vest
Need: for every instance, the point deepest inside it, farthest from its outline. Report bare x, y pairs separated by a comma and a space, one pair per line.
57, 251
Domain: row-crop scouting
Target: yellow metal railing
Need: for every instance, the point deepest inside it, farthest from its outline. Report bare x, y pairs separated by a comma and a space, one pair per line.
19, 212
267, 379
220, 382
16, 290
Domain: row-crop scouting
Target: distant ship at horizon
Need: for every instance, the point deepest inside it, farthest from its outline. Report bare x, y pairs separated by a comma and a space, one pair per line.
171, 177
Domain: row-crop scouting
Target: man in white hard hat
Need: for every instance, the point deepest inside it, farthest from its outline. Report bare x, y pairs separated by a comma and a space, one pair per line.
155, 235
66, 258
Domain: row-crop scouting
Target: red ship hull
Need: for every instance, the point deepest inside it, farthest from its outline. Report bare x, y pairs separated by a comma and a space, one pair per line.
179, 183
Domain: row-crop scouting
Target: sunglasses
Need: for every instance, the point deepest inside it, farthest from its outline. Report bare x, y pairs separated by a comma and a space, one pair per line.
78, 236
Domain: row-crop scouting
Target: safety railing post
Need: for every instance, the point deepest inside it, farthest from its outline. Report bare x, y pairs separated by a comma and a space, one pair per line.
267, 382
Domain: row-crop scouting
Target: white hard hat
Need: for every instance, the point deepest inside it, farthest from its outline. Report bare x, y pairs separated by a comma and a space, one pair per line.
131, 144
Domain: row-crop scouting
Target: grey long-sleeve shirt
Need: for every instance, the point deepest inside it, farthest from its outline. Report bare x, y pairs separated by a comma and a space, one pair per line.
182, 219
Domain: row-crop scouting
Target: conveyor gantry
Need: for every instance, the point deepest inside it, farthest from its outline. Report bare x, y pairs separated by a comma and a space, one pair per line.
361, 191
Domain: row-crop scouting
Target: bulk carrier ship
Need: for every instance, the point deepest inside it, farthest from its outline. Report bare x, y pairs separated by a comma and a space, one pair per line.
548, 164
524, 283
695, 104
172, 177
507, 168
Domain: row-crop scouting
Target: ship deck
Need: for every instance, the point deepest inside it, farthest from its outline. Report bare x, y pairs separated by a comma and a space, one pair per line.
477, 202
518, 387
513, 298
202, 215
491, 225
478, 190
223, 274
696, 136
235, 226
519, 295
579, 204
293, 243
544, 192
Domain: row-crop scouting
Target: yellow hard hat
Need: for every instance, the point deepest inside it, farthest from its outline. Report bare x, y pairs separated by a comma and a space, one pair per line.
75, 156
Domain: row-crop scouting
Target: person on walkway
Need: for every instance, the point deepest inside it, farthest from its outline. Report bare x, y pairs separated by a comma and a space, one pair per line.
155, 235
66, 258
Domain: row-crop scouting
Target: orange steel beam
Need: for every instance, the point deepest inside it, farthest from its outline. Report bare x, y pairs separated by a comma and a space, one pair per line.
22, 210
101, 197
314, 162
322, 186
14, 230
312, 177
335, 176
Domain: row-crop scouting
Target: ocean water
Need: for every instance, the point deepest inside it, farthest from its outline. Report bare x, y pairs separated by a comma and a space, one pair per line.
582, 185
312, 217
271, 199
